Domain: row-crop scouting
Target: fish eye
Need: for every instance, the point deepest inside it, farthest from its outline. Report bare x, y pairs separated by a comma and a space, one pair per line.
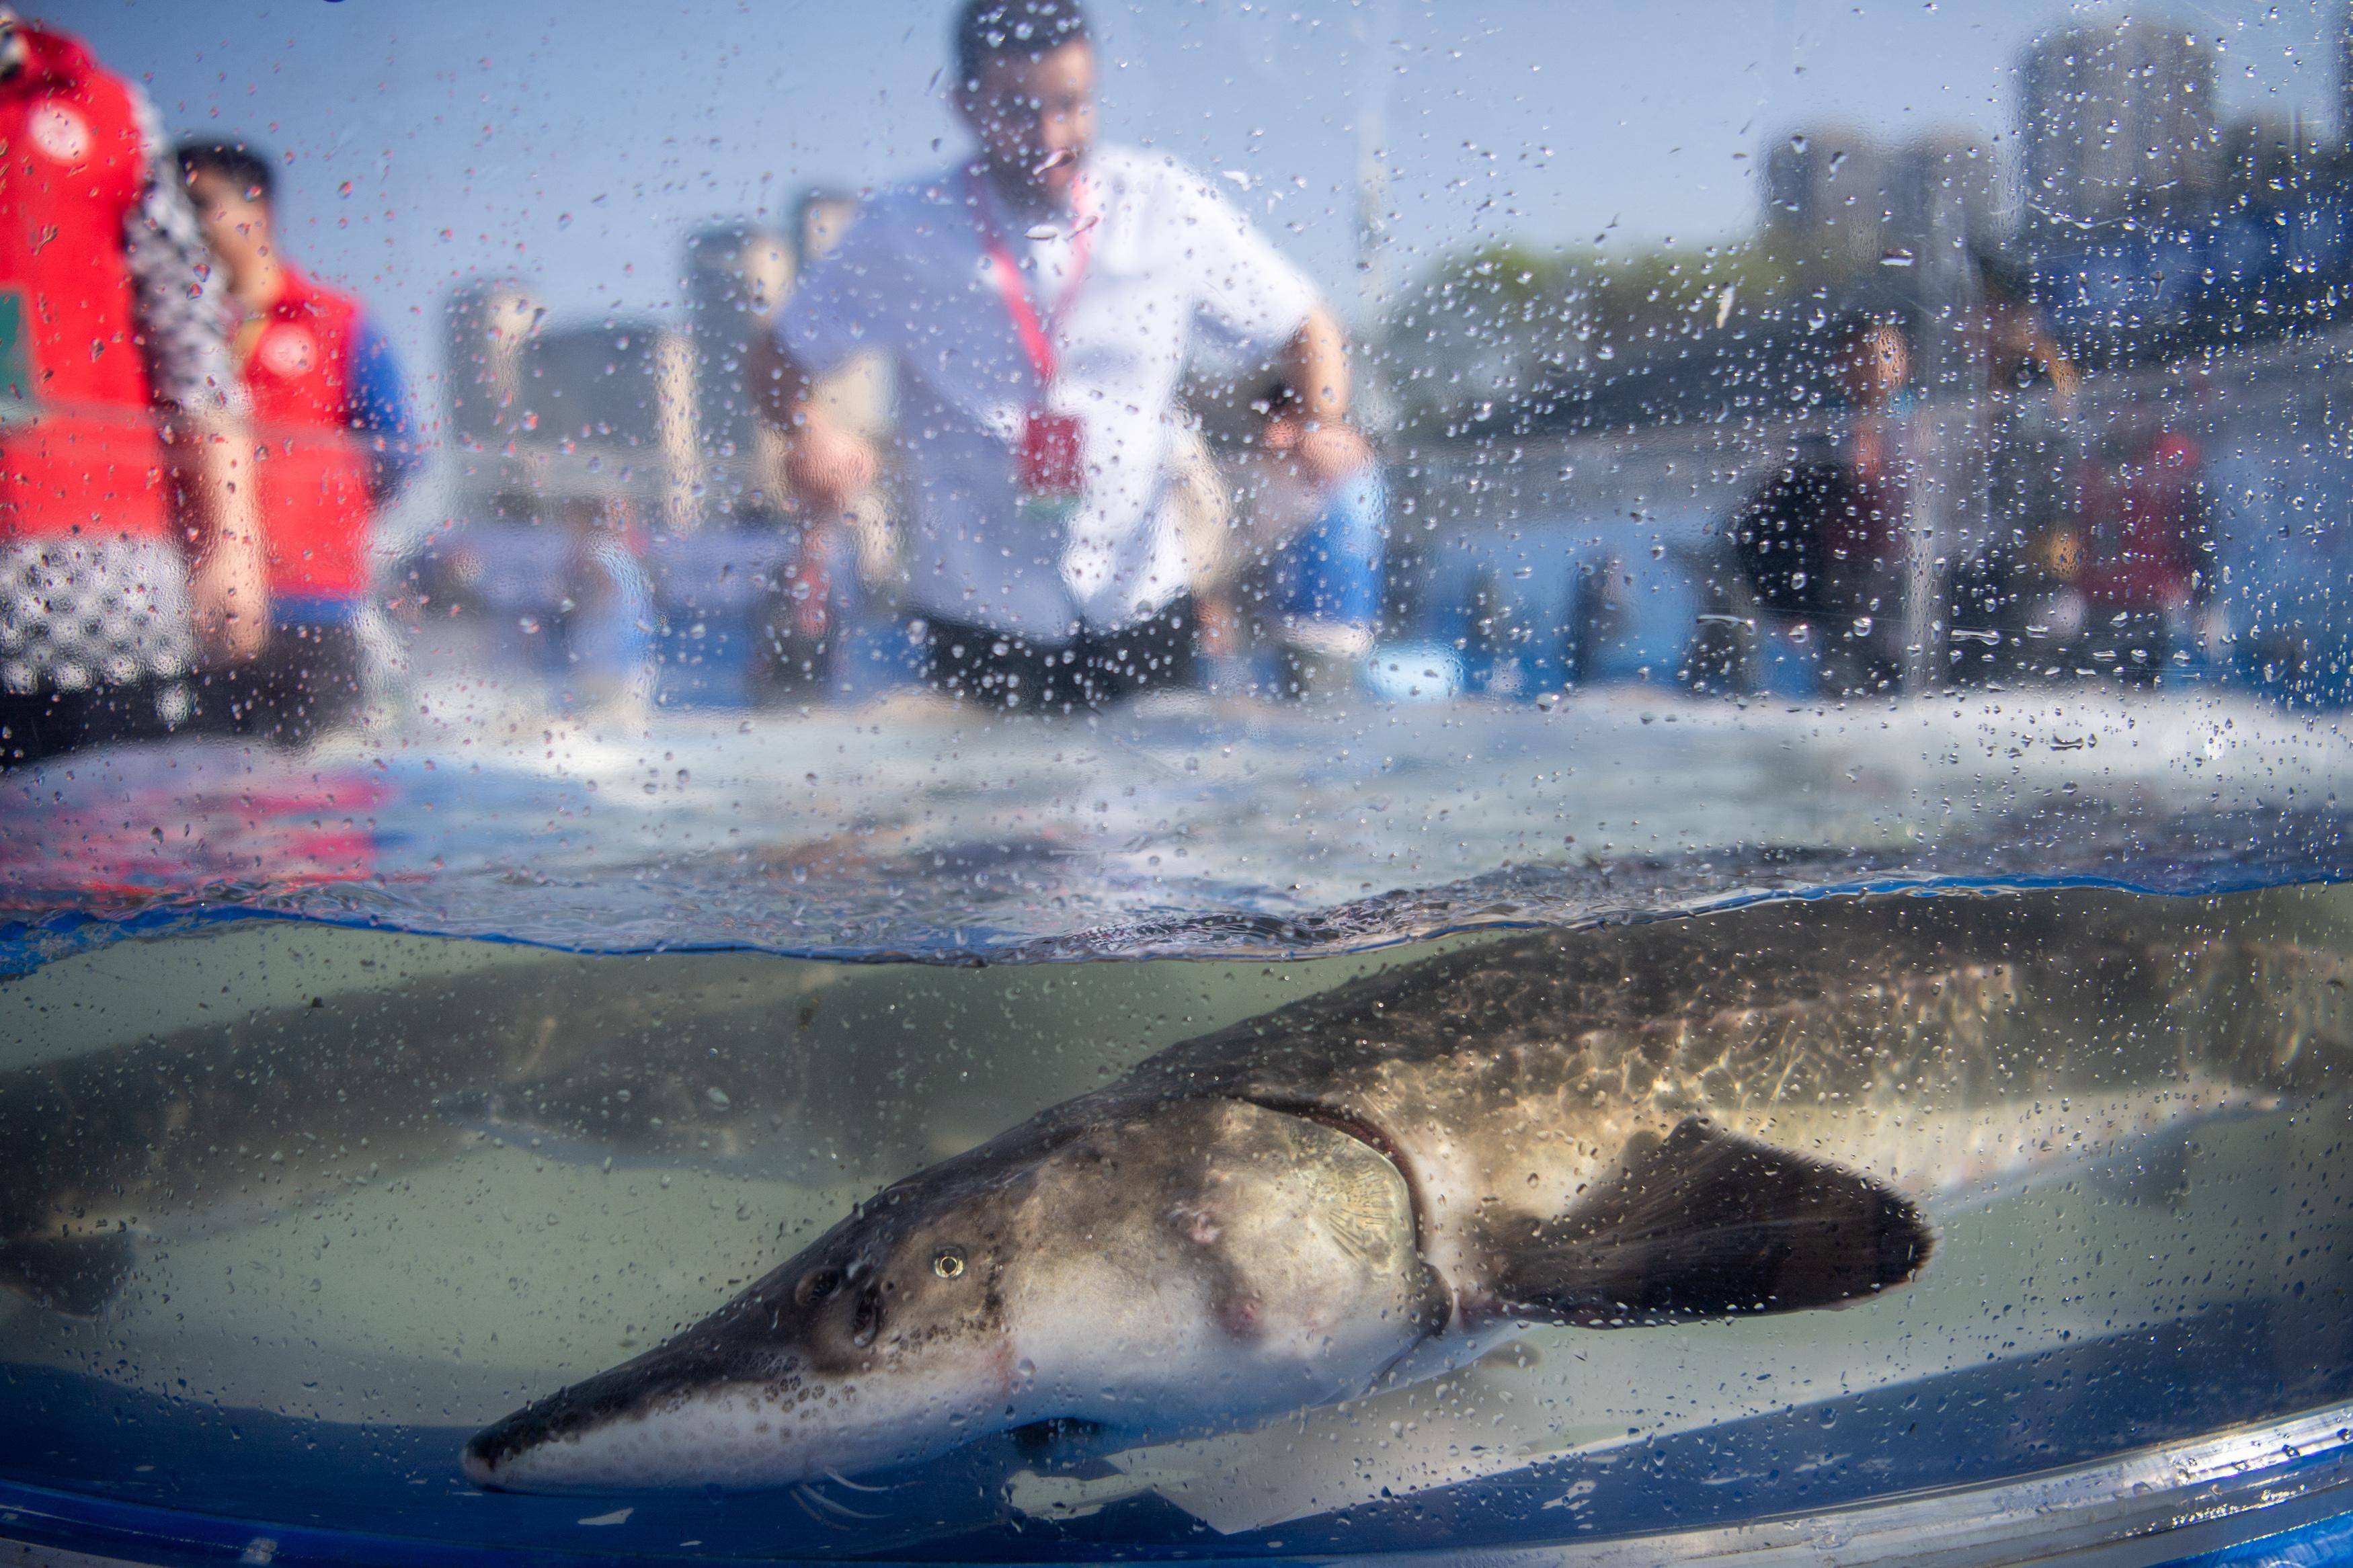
816, 1285
949, 1262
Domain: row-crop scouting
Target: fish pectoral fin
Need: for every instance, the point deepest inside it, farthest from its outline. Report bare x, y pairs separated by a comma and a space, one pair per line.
1704, 1223
77, 1275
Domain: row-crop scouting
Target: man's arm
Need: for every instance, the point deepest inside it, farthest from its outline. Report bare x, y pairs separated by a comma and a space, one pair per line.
189, 368
1315, 366
1255, 294
826, 464
378, 411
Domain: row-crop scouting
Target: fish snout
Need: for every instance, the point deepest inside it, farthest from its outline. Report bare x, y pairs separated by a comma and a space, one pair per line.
680, 1412
477, 1463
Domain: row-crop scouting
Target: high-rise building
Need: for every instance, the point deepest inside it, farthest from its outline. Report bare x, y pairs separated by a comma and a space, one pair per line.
736, 274
1835, 198
488, 327
2116, 120
612, 385
2271, 160
1942, 195
820, 218
565, 420
2344, 75
1826, 196
860, 393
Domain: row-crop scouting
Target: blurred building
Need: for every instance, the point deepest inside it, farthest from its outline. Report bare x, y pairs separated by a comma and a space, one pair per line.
1836, 198
820, 218
487, 327
2273, 160
632, 422
2116, 121
2345, 77
1826, 196
589, 424
737, 276
611, 414
860, 393
1943, 194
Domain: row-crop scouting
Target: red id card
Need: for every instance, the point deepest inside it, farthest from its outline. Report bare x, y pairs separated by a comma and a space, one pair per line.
1052, 461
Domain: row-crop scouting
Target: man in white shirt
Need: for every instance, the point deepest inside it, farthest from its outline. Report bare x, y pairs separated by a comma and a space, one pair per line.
1038, 303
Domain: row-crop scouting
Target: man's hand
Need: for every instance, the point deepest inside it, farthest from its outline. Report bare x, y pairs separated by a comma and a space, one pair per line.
1331, 453
1311, 427
829, 466
1326, 454
826, 464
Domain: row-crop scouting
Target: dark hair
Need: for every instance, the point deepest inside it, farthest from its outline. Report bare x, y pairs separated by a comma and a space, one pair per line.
1030, 28
240, 162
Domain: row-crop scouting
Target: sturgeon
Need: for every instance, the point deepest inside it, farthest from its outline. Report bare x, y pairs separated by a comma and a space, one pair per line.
1746, 1112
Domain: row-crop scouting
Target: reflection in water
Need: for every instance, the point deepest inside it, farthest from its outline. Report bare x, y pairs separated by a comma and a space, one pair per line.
1179, 827
286, 830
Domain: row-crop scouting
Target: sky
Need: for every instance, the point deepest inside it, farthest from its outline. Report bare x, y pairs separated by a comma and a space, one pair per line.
574, 144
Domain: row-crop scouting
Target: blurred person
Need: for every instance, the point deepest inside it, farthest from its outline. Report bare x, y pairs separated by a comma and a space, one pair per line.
2021, 354
1328, 576
2145, 573
332, 412
1038, 303
817, 599
120, 406
1866, 544
2032, 456
1822, 543
1312, 553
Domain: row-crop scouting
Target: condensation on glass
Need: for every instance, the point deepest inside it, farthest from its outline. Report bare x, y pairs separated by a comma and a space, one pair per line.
1028, 781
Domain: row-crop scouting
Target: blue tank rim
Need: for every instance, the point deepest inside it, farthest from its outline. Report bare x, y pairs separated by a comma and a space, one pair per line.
2241, 1497
30, 944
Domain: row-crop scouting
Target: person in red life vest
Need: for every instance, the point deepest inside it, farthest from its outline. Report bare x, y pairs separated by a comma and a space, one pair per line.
332, 417
129, 550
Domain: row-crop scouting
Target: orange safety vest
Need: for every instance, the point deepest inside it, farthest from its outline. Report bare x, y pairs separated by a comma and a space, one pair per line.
316, 505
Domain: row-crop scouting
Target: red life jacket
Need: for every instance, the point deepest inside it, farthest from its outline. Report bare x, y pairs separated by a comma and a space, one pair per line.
316, 507
72, 169
2143, 528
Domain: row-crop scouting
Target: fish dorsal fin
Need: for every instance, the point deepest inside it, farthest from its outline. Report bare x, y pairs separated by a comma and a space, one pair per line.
1706, 1223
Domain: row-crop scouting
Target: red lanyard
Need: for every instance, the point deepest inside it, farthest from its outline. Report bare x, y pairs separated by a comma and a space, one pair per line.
1037, 334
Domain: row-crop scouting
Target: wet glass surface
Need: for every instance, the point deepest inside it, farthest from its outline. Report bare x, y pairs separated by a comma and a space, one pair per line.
1010, 782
